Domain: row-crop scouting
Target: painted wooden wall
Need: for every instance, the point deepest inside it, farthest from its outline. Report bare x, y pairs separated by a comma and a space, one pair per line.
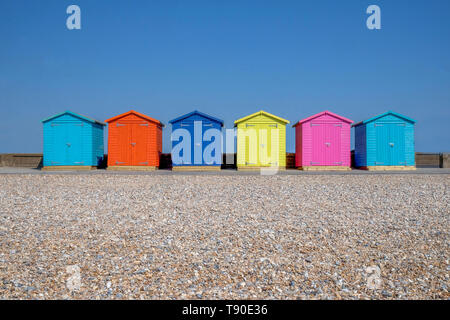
134, 140
72, 141
251, 143
187, 122
388, 140
323, 140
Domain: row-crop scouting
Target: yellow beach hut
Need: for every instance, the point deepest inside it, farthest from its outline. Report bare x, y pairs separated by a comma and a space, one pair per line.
261, 141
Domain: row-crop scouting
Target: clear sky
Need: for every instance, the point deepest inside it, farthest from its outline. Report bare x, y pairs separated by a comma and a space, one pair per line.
225, 58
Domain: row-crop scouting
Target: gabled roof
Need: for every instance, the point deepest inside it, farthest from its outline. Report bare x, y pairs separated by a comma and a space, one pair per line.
143, 116
74, 115
385, 114
258, 114
321, 114
187, 115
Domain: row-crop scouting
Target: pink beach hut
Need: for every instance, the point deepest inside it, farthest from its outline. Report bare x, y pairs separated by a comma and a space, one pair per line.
322, 142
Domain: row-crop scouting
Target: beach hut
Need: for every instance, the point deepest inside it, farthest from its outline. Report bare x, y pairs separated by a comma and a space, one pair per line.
196, 142
134, 142
385, 142
261, 141
322, 142
72, 141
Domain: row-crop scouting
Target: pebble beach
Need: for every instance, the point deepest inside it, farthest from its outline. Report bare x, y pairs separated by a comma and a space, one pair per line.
224, 237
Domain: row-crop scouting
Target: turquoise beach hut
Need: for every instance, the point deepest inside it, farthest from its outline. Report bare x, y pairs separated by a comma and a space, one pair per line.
385, 142
72, 140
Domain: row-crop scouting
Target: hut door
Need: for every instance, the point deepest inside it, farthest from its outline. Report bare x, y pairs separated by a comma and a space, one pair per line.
189, 126
333, 144
74, 145
326, 144
397, 144
384, 147
390, 144
268, 142
139, 135
124, 137
264, 141
319, 147
272, 143
59, 136
68, 149
251, 138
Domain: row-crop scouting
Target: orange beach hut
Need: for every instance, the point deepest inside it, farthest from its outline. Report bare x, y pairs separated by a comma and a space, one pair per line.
134, 142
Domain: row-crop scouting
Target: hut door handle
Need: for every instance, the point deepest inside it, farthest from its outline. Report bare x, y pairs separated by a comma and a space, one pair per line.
133, 144
328, 144
391, 144
68, 144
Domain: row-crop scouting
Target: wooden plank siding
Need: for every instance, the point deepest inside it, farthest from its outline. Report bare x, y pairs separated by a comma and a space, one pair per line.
134, 139
385, 140
428, 160
85, 135
323, 140
190, 122
248, 140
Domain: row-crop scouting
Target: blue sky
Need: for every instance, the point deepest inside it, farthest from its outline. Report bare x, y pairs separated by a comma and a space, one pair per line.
226, 58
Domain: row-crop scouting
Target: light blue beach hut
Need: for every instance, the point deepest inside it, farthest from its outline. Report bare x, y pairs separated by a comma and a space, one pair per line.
385, 142
71, 139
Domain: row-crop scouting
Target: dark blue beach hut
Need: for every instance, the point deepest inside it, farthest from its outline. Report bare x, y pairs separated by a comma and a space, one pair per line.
196, 142
385, 142
71, 139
